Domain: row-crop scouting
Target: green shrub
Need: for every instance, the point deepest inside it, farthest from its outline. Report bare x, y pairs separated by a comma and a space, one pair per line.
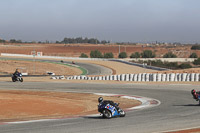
196, 62
108, 55
195, 47
193, 55
158, 63
83, 56
96, 54
169, 55
135, 55
122, 55
185, 66
147, 54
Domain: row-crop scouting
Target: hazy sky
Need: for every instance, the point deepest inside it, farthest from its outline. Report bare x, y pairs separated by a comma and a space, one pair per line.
116, 20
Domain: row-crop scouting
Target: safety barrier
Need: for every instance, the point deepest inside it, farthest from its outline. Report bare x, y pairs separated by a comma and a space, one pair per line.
141, 77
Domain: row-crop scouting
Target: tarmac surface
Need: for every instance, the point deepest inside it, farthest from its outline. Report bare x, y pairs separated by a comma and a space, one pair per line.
177, 109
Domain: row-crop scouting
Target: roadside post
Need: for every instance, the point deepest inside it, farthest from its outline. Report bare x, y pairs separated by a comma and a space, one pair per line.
33, 53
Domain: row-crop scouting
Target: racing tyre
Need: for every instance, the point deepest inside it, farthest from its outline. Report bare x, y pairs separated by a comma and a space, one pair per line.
13, 80
199, 102
122, 113
106, 114
21, 80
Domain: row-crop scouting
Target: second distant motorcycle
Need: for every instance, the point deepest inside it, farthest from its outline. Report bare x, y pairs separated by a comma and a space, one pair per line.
17, 77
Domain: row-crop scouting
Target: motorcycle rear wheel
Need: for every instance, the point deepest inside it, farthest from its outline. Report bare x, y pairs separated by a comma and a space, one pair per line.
13, 80
107, 114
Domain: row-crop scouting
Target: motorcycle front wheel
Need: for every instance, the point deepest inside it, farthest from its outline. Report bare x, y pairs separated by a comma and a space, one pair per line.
107, 114
21, 80
122, 113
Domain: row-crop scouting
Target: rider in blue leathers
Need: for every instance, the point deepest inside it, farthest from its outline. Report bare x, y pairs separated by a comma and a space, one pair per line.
100, 100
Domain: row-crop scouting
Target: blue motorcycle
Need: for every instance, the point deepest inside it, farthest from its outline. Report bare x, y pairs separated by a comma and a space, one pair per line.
108, 111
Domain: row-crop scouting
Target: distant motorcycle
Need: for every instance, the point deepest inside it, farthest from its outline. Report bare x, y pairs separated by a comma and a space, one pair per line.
108, 111
17, 77
198, 99
196, 95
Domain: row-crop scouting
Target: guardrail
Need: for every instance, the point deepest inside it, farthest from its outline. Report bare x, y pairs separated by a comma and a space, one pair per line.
141, 77
140, 65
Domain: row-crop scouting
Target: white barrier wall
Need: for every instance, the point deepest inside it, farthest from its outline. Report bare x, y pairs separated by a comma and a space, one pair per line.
147, 77
196, 77
141, 77
164, 77
172, 77
131, 77
135, 77
159, 77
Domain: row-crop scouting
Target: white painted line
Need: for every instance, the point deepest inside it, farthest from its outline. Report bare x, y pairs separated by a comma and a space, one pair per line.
144, 100
105, 94
191, 128
20, 122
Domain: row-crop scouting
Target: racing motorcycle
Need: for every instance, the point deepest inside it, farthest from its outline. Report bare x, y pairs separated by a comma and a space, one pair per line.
108, 111
197, 97
17, 77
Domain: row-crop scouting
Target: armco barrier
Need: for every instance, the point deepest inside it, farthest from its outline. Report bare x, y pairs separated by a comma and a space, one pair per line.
141, 77
139, 65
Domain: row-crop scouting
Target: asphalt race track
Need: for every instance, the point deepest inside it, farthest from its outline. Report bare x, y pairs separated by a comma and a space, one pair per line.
177, 110
92, 69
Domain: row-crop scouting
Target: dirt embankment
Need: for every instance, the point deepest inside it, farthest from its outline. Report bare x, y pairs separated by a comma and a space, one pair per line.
75, 50
29, 105
36, 68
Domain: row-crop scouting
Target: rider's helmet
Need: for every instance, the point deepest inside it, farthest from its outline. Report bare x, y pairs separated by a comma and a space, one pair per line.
100, 99
193, 91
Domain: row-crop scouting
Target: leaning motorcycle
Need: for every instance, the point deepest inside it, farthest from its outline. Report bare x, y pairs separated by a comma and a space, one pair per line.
197, 98
108, 111
17, 77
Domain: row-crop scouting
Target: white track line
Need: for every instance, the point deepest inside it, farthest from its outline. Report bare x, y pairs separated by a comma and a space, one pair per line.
176, 130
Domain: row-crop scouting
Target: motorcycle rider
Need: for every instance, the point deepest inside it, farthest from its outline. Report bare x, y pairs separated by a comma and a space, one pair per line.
16, 73
100, 100
195, 94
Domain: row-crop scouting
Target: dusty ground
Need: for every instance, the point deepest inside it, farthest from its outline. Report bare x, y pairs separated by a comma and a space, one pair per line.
29, 105
75, 50
36, 68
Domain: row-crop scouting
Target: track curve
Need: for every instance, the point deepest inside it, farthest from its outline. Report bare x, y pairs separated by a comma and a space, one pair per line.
177, 109
92, 69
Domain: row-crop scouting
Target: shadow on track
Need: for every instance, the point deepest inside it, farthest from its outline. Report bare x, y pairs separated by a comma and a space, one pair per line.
189, 105
93, 117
